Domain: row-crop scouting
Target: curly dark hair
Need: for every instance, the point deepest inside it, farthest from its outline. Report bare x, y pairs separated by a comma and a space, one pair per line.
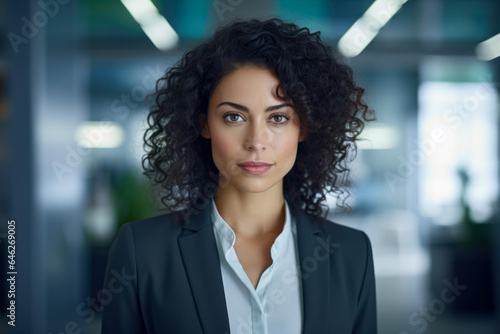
312, 75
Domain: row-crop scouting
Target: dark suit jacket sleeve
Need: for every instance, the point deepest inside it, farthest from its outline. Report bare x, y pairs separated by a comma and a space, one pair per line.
121, 309
366, 315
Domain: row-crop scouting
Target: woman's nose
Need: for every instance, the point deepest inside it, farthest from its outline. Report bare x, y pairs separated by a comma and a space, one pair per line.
257, 137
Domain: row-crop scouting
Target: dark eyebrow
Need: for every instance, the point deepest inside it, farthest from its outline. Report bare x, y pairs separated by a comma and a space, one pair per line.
245, 109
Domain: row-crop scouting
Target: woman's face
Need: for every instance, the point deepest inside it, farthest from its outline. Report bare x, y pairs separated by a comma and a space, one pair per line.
247, 122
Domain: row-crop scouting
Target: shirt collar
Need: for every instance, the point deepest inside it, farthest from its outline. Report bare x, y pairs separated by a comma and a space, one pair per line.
227, 236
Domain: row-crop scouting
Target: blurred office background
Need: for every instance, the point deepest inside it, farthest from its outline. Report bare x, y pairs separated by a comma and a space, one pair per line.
74, 76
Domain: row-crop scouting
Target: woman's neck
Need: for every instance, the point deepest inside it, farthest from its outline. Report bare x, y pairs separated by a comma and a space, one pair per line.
252, 214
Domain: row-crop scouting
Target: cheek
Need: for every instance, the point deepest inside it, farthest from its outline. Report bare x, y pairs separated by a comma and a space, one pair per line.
225, 151
222, 146
288, 149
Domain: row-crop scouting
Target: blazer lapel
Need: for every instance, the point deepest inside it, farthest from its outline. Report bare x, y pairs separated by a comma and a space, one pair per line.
201, 261
314, 256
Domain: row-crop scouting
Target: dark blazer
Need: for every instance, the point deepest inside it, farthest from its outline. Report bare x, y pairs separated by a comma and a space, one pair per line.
164, 278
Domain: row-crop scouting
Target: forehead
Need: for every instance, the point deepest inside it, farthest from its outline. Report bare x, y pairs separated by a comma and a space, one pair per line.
248, 83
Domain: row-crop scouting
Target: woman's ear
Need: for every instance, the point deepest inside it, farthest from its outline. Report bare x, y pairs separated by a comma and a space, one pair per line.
205, 132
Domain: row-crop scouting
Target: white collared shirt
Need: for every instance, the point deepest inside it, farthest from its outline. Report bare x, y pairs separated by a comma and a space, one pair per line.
275, 306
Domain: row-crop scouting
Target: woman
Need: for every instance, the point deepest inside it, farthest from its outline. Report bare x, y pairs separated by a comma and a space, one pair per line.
249, 132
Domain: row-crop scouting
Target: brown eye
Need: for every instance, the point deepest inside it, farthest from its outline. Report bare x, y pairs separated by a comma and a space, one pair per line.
280, 119
232, 118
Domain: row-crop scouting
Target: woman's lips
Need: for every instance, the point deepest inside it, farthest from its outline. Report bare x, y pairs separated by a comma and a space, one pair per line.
256, 170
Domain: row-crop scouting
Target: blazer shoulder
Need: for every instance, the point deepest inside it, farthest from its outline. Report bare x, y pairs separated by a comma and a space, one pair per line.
345, 233
160, 222
153, 230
